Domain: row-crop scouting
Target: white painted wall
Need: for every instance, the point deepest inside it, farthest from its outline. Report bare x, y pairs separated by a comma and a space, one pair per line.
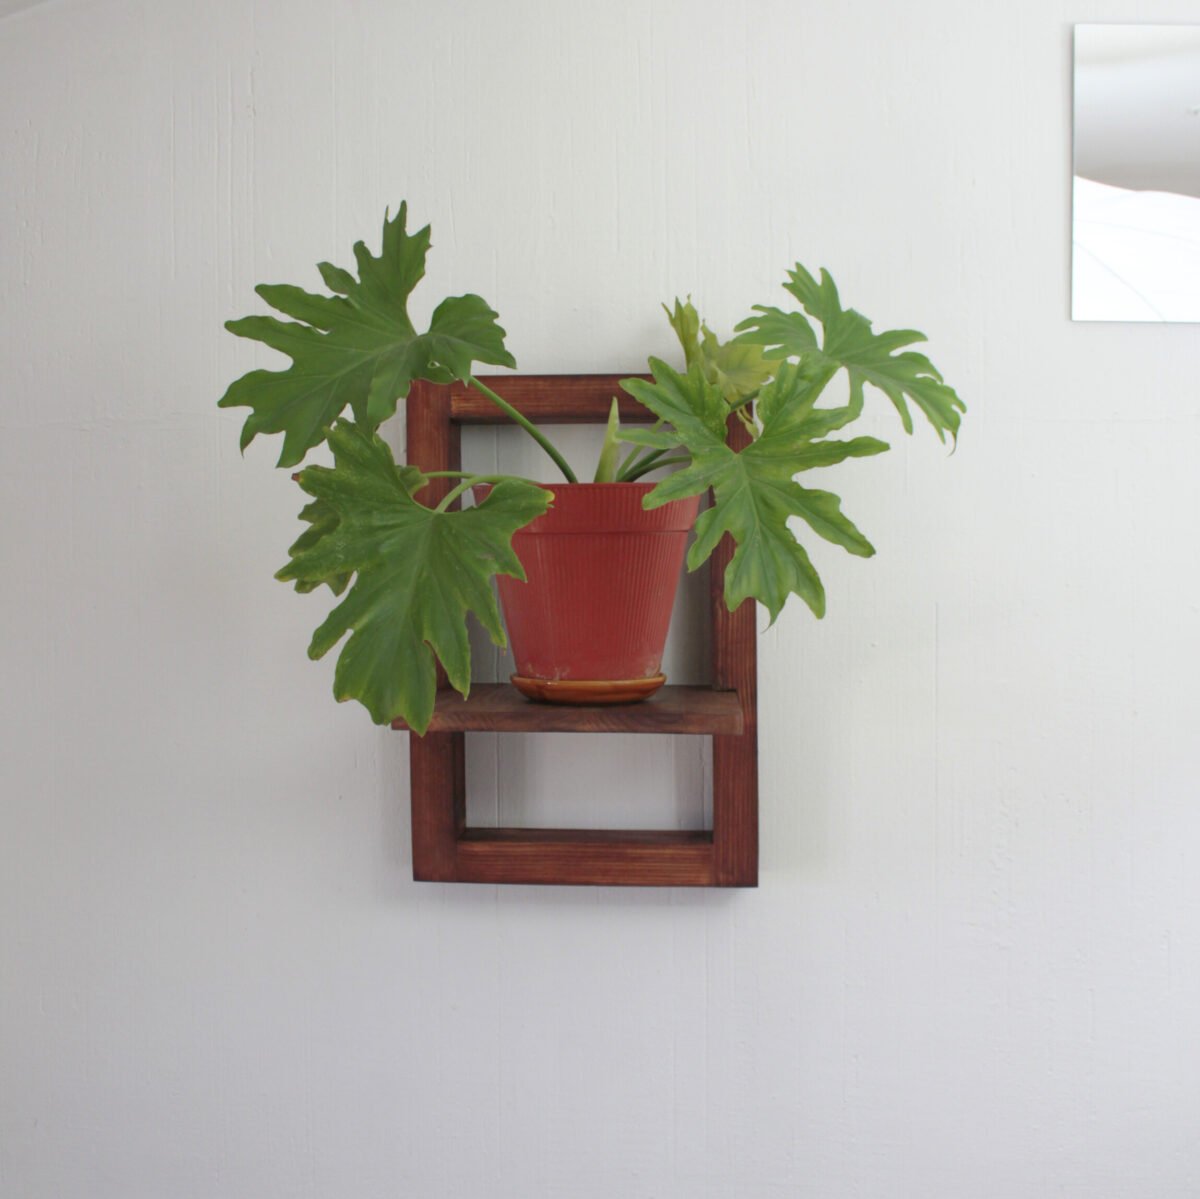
973, 966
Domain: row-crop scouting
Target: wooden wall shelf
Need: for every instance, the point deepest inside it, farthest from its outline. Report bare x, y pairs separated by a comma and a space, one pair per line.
445, 849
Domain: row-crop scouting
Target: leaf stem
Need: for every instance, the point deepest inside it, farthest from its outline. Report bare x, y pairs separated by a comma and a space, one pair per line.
468, 482
645, 467
528, 426
632, 456
634, 463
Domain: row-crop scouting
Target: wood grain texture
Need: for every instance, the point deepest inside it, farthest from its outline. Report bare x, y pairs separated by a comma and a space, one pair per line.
437, 762
586, 857
548, 399
499, 708
434, 441
735, 759
437, 779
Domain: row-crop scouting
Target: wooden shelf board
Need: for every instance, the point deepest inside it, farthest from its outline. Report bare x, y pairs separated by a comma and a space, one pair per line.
500, 708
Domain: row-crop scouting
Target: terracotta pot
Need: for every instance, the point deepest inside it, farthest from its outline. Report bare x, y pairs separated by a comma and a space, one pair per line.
590, 622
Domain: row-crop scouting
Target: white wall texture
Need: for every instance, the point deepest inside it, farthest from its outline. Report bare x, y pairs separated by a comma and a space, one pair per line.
973, 966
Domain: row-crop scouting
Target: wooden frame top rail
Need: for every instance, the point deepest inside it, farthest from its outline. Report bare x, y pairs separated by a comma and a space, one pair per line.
547, 399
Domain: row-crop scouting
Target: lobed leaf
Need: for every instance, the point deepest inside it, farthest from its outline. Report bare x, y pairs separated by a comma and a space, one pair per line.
357, 348
689, 403
754, 494
418, 573
737, 369
323, 520
849, 343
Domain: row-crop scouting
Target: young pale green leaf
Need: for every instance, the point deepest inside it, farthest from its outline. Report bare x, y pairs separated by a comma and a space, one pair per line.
610, 451
848, 342
738, 370
417, 575
685, 320
357, 347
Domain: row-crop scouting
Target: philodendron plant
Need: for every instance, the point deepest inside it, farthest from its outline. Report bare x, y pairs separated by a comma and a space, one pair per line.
409, 574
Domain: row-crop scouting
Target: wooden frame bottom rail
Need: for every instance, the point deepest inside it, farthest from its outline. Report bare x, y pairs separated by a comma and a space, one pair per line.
586, 856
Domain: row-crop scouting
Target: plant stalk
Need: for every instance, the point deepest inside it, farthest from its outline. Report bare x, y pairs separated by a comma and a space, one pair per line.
528, 426
632, 456
644, 468
468, 482
639, 466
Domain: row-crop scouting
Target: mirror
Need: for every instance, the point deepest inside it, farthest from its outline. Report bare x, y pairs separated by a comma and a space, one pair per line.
1136, 227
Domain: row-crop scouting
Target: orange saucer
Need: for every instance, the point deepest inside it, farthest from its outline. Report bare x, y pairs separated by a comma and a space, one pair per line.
587, 691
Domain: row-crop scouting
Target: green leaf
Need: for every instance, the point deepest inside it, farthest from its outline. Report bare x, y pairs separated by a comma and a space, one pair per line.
754, 495
357, 347
769, 564
685, 320
823, 512
737, 369
689, 403
323, 520
849, 343
655, 439
787, 334
610, 451
418, 573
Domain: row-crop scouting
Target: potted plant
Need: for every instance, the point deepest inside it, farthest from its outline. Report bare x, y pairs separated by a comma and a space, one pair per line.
410, 573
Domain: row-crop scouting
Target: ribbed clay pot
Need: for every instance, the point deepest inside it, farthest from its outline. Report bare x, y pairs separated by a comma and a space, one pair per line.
590, 622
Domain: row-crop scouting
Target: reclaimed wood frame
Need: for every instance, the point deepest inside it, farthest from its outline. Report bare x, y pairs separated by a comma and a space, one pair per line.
445, 849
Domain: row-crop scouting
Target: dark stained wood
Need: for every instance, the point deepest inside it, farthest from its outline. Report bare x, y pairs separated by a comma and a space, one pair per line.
444, 849
438, 800
735, 759
434, 441
594, 836
547, 399
437, 762
586, 857
499, 708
